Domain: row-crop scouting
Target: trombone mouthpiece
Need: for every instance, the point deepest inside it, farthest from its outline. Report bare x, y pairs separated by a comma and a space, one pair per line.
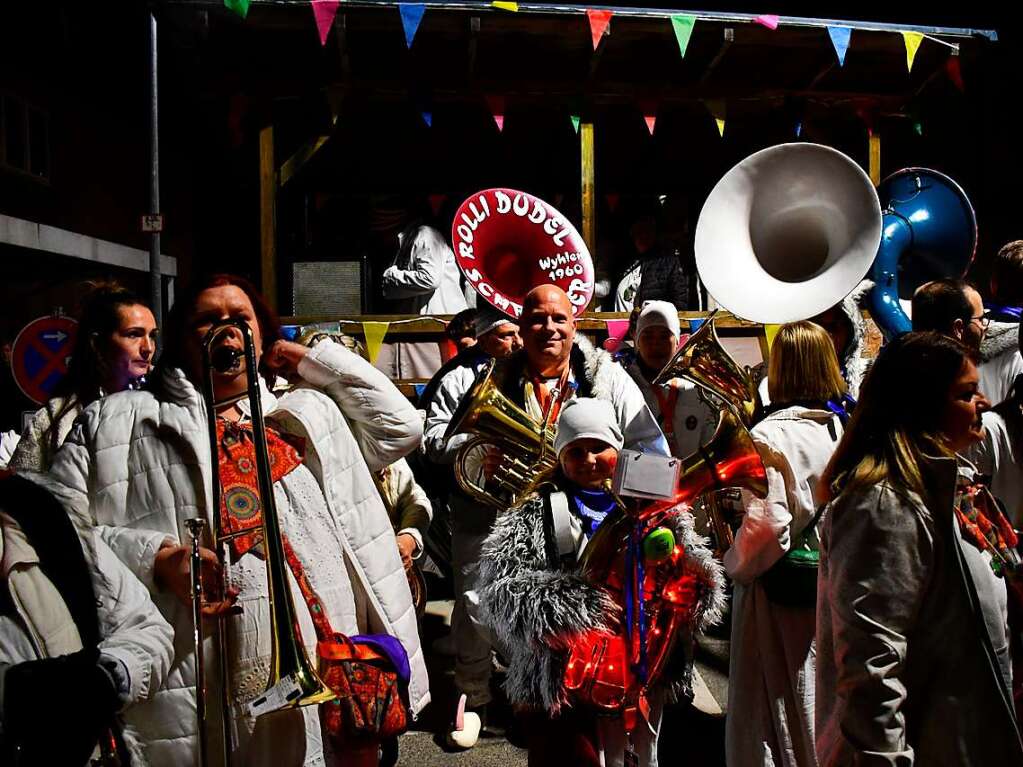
225, 358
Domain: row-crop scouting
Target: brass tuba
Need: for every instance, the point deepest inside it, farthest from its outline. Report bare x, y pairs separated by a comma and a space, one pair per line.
597, 671
293, 679
526, 445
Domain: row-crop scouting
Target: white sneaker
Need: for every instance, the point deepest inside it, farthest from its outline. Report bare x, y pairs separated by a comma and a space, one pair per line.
466, 732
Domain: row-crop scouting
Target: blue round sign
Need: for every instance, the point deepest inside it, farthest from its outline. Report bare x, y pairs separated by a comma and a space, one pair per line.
41, 354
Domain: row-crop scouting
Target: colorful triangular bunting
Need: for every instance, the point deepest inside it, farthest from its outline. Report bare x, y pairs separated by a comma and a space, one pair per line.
599, 21
505, 6
840, 39
241, 7
683, 26
411, 15
616, 332
650, 118
324, 12
374, 333
496, 105
770, 331
912, 40
717, 110
427, 118
575, 122
767, 20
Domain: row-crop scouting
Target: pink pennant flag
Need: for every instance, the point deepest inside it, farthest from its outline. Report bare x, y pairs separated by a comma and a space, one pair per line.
436, 200
767, 20
496, 104
616, 332
324, 12
598, 24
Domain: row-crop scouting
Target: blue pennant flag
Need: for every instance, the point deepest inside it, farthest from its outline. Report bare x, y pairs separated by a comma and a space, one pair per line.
420, 388
428, 119
840, 39
411, 15
695, 324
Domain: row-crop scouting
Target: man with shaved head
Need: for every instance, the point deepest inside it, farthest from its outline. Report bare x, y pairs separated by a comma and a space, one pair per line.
553, 366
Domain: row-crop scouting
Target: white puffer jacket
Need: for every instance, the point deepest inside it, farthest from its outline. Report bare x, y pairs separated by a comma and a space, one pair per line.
141, 466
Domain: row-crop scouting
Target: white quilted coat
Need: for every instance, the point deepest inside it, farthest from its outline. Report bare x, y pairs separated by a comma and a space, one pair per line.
141, 466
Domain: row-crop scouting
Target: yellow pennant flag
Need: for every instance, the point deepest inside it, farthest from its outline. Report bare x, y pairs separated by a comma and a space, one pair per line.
721, 126
912, 40
374, 333
770, 331
513, 7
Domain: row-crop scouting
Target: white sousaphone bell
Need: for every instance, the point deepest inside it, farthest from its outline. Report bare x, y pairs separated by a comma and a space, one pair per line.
788, 233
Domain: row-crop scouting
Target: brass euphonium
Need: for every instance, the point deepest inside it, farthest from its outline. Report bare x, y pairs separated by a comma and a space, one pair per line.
293, 679
526, 445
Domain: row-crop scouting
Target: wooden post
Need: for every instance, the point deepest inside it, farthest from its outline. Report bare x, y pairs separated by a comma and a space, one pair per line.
267, 215
589, 201
875, 159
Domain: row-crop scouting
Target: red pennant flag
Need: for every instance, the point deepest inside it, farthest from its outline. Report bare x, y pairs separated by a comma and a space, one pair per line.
613, 198
436, 200
651, 120
324, 11
955, 72
598, 24
496, 104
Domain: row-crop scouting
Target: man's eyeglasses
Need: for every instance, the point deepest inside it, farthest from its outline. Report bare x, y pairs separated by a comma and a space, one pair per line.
983, 320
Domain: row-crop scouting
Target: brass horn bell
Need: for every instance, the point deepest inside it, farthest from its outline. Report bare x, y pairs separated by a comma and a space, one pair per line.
704, 361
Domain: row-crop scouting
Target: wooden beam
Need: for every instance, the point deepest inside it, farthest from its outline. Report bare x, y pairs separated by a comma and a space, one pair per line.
267, 215
301, 156
875, 159
589, 201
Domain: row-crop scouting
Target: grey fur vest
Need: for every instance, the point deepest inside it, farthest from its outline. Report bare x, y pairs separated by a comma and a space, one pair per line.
532, 605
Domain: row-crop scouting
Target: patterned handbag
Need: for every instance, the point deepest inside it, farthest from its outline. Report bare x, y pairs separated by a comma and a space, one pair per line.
368, 680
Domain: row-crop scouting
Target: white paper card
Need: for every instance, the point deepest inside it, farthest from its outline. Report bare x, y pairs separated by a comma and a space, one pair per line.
277, 697
646, 475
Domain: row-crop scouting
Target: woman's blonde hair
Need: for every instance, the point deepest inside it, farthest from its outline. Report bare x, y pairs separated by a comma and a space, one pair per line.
803, 365
898, 417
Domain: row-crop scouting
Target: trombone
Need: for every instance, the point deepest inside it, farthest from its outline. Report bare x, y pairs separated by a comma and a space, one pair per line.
293, 679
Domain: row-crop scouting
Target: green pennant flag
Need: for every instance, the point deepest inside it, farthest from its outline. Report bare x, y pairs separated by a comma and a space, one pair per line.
241, 7
683, 26
575, 122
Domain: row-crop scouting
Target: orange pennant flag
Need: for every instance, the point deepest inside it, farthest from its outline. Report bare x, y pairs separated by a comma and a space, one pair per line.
599, 21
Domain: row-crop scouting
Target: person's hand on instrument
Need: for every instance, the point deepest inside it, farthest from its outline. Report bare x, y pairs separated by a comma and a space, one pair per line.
172, 572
